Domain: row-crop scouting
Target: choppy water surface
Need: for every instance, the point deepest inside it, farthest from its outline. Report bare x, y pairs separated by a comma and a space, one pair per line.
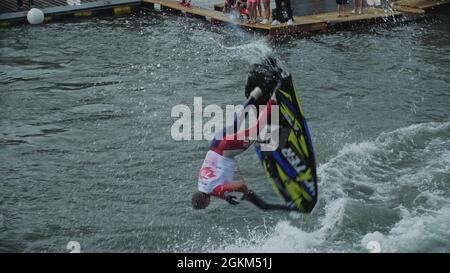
86, 153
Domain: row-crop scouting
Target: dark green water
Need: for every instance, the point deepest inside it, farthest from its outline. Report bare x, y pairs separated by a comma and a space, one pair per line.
86, 153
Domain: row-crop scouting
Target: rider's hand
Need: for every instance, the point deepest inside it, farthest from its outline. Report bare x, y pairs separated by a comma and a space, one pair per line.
231, 199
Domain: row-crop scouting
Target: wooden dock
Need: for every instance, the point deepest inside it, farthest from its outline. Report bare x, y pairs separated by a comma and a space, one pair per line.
402, 10
425, 5
7, 6
60, 9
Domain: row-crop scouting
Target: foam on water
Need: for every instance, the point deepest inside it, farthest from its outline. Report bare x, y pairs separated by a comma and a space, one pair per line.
285, 236
415, 231
422, 224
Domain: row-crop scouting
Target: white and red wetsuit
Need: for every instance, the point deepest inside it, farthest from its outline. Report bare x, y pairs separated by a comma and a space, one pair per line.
217, 171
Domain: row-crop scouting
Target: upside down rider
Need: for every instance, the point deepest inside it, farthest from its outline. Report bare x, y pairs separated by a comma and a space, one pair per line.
216, 173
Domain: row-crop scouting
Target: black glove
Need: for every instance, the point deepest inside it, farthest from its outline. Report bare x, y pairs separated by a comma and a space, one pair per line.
231, 199
249, 196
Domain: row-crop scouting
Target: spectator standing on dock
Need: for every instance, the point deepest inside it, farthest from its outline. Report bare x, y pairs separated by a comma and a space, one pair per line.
357, 6
279, 18
266, 16
341, 7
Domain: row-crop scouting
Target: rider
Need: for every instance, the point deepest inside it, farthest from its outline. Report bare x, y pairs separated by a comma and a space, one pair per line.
217, 171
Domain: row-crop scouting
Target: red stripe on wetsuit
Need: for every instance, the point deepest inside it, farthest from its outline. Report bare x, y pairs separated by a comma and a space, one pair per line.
235, 141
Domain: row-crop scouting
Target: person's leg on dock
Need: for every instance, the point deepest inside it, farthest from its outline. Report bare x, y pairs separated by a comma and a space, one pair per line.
19, 4
338, 8
341, 7
277, 16
266, 17
249, 10
258, 8
287, 5
252, 11
360, 2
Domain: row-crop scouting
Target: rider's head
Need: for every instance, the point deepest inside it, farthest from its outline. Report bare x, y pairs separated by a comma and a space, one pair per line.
200, 200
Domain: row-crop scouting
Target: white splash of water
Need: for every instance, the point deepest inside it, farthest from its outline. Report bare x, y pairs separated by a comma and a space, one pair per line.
253, 52
286, 237
420, 228
424, 232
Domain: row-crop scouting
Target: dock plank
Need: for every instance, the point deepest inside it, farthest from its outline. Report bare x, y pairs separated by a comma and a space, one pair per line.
421, 4
369, 14
407, 9
11, 5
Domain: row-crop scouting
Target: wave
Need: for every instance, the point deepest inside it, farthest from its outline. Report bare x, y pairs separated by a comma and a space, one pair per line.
415, 232
392, 191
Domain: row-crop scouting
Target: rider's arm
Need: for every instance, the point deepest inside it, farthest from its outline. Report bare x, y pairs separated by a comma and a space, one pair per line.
220, 191
260, 203
238, 186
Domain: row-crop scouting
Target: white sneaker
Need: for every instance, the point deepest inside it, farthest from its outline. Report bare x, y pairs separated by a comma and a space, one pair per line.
353, 11
265, 21
289, 22
275, 23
